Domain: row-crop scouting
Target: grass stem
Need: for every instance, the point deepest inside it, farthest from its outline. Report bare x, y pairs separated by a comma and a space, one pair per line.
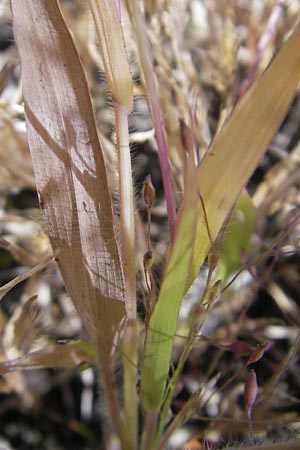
128, 264
154, 102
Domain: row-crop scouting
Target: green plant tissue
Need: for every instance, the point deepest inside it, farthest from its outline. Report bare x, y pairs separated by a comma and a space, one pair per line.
237, 236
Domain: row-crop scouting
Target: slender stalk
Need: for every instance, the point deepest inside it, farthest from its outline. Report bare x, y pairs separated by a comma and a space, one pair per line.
153, 97
126, 209
110, 395
129, 347
179, 420
149, 429
107, 18
172, 383
128, 264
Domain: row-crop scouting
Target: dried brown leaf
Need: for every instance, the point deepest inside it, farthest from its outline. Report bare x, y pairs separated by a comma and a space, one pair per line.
69, 168
65, 356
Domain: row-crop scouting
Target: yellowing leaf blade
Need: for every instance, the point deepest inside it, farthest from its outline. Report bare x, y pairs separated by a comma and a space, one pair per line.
221, 177
236, 150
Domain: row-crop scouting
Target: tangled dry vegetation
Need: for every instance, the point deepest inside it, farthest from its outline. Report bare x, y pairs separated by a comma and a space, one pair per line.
206, 54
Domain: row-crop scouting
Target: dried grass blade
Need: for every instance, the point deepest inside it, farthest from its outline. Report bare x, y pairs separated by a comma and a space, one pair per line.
106, 15
65, 356
70, 174
68, 164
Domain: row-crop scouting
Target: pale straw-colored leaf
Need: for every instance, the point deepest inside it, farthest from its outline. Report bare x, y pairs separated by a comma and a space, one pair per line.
106, 15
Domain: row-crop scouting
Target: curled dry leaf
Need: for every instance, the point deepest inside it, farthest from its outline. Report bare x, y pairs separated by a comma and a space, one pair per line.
65, 356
